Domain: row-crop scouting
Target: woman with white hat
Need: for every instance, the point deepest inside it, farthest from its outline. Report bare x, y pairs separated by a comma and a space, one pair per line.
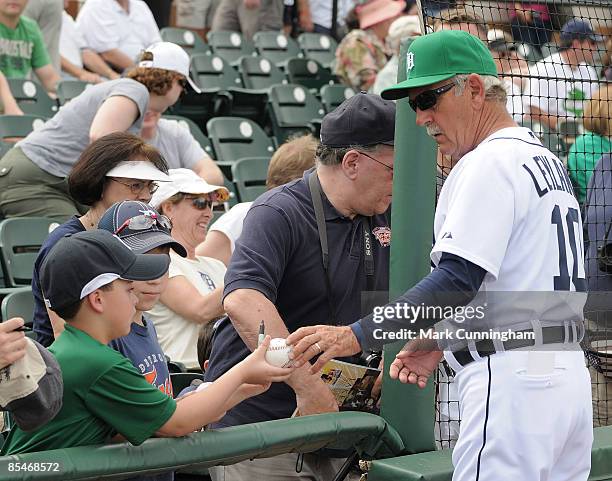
195, 287
37, 166
116, 167
362, 53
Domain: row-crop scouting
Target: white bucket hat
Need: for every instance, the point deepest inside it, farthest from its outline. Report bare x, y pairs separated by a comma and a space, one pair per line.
186, 181
169, 56
138, 169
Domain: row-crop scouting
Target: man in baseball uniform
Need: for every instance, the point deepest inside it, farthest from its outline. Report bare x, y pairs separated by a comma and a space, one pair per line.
508, 277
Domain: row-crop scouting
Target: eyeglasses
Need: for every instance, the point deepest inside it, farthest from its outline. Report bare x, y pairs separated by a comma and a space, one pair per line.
200, 203
376, 160
429, 98
145, 221
137, 187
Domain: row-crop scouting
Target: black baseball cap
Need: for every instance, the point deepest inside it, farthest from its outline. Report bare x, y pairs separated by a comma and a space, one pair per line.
140, 241
81, 263
364, 119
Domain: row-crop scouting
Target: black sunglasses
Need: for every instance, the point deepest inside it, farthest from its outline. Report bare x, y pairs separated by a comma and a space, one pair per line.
200, 203
429, 98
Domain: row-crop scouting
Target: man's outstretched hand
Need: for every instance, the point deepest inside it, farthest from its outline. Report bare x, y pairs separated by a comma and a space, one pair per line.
416, 362
328, 341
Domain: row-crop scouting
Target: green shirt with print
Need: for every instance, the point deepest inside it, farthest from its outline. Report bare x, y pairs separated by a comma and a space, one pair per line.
582, 160
103, 395
22, 49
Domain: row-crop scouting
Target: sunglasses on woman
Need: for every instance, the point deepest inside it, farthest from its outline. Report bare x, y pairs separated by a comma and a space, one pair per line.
146, 221
200, 203
429, 98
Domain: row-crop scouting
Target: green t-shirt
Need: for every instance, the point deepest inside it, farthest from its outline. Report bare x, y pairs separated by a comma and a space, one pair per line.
582, 159
22, 49
103, 395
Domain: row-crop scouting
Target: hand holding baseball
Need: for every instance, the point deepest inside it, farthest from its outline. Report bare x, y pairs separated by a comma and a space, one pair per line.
256, 370
328, 341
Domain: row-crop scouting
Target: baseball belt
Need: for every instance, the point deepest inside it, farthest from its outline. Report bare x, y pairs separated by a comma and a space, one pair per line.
550, 335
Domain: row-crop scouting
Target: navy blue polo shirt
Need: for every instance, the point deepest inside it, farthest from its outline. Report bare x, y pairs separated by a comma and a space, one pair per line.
279, 255
40, 320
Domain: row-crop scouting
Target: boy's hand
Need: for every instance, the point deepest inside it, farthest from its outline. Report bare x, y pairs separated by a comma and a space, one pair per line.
255, 369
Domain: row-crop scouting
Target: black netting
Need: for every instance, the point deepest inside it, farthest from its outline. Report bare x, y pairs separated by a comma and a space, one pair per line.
555, 64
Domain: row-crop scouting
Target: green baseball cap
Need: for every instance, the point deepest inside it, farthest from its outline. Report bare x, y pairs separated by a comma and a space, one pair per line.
439, 56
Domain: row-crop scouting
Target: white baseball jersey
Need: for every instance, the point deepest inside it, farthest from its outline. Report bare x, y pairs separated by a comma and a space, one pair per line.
508, 206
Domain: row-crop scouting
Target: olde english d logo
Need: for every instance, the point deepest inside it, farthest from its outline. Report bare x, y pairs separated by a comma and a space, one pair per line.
409, 61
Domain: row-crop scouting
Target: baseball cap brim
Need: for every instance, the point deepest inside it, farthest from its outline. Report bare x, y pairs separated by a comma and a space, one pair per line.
193, 85
400, 90
147, 267
143, 242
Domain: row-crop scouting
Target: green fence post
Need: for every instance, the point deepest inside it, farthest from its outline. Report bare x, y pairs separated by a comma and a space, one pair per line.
410, 410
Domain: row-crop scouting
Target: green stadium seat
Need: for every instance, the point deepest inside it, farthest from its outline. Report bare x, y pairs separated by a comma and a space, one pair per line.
234, 138
212, 72
195, 131
15, 127
309, 73
260, 73
230, 45
294, 110
319, 47
20, 241
249, 175
276, 47
19, 303
333, 95
69, 89
32, 98
198, 108
189, 40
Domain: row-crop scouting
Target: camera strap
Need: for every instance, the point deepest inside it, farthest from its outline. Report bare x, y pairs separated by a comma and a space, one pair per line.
317, 203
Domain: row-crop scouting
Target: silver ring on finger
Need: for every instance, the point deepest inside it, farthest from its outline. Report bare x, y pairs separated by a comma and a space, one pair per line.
316, 344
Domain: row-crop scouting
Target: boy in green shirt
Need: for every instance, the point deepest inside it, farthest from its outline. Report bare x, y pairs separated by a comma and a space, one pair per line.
22, 48
87, 280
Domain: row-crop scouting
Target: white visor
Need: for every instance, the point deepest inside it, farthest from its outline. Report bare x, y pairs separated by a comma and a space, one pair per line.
137, 169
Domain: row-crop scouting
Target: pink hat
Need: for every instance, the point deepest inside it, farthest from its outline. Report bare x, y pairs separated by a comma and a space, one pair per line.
378, 11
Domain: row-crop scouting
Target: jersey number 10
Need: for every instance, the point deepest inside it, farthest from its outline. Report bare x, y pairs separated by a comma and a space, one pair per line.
562, 281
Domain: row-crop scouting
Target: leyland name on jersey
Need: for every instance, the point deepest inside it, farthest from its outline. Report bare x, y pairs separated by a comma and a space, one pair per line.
509, 207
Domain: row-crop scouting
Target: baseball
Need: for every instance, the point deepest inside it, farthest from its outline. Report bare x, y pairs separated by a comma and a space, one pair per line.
278, 353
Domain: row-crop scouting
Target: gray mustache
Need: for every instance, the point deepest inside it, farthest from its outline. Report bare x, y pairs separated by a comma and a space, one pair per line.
433, 130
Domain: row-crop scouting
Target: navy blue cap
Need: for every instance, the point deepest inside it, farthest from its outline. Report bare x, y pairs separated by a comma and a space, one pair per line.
579, 29
140, 241
364, 119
